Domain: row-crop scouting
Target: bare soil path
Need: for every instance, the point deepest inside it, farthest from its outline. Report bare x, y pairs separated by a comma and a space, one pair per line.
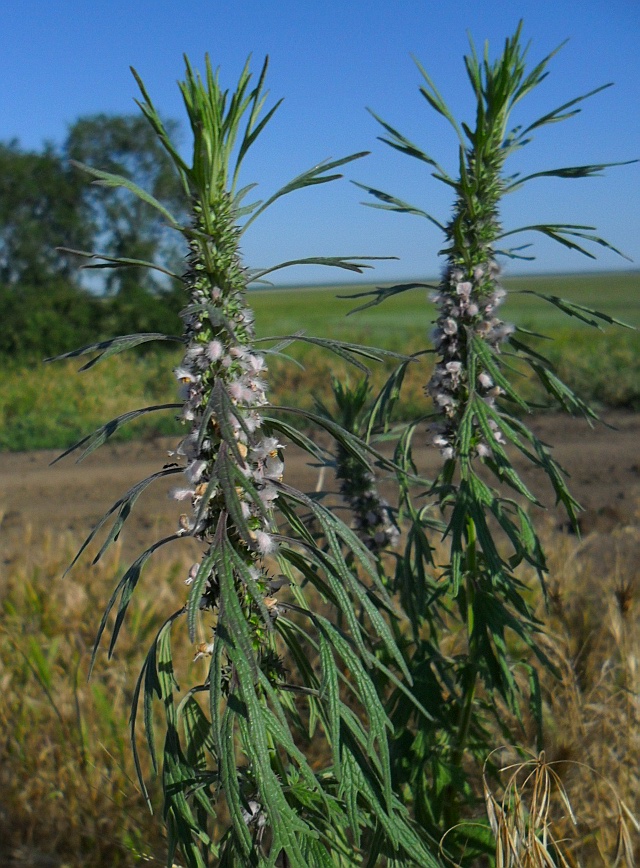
36, 499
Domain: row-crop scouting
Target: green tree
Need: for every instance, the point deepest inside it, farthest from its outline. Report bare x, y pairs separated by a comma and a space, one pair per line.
126, 226
41, 206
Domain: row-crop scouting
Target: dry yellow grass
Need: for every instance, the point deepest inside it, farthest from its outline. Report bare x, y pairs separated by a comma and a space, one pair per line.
68, 790
68, 793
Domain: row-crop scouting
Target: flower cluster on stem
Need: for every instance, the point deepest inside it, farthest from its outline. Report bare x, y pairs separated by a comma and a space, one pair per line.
467, 299
373, 521
222, 384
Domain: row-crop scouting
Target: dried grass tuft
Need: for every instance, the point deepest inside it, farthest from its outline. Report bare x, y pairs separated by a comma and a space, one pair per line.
68, 789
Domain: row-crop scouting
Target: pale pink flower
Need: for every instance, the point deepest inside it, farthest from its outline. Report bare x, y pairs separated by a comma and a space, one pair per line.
265, 542
193, 572
215, 350
194, 470
181, 493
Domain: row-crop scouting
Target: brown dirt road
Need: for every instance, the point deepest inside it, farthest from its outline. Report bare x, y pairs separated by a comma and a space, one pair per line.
38, 500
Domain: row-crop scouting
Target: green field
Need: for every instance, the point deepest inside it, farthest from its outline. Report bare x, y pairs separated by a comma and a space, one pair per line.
50, 406
321, 312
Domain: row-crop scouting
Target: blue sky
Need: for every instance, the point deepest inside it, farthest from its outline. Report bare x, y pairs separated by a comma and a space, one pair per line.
329, 60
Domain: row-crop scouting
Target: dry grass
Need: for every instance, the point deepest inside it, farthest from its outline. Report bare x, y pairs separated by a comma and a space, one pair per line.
68, 794
577, 802
68, 790
593, 710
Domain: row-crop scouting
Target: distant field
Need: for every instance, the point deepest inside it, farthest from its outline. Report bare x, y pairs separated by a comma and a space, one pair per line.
50, 406
321, 312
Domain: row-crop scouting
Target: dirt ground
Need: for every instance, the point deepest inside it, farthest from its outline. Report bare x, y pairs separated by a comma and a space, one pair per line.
37, 500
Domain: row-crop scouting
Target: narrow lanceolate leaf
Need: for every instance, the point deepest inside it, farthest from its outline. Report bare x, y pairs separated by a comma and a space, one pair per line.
348, 263
376, 737
346, 350
287, 827
107, 179
276, 724
405, 146
196, 590
315, 175
152, 690
491, 364
382, 409
561, 113
564, 233
124, 591
298, 437
330, 691
124, 507
588, 171
235, 632
585, 314
111, 347
392, 203
154, 119
559, 390
230, 783
353, 445
118, 262
102, 434
381, 293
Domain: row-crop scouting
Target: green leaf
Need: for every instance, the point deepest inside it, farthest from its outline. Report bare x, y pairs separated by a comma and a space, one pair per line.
124, 507
404, 145
588, 171
435, 100
391, 203
355, 447
102, 434
149, 111
197, 732
119, 262
113, 346
106, 179
345, 349
300, 439
560, 113
581, 312
253, 127
287, 827
382, 293
195, 592
563, 233
348, 263
152, 688
230, 780
315, 175
329, 689
559, 390
124, 590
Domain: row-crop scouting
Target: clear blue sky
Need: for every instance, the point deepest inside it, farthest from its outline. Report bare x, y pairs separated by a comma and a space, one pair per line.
330, 59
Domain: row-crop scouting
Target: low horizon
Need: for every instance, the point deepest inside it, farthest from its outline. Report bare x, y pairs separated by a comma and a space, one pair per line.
361, 281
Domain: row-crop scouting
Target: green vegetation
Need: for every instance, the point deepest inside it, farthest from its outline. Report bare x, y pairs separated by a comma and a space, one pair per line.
323, 311
42, 407
359, 672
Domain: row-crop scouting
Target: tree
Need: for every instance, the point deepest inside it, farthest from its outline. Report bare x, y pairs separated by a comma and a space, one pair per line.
125, 225
41, 207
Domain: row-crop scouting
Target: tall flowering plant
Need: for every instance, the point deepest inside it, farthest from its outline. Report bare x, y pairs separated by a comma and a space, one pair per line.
478, 495
237, 786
